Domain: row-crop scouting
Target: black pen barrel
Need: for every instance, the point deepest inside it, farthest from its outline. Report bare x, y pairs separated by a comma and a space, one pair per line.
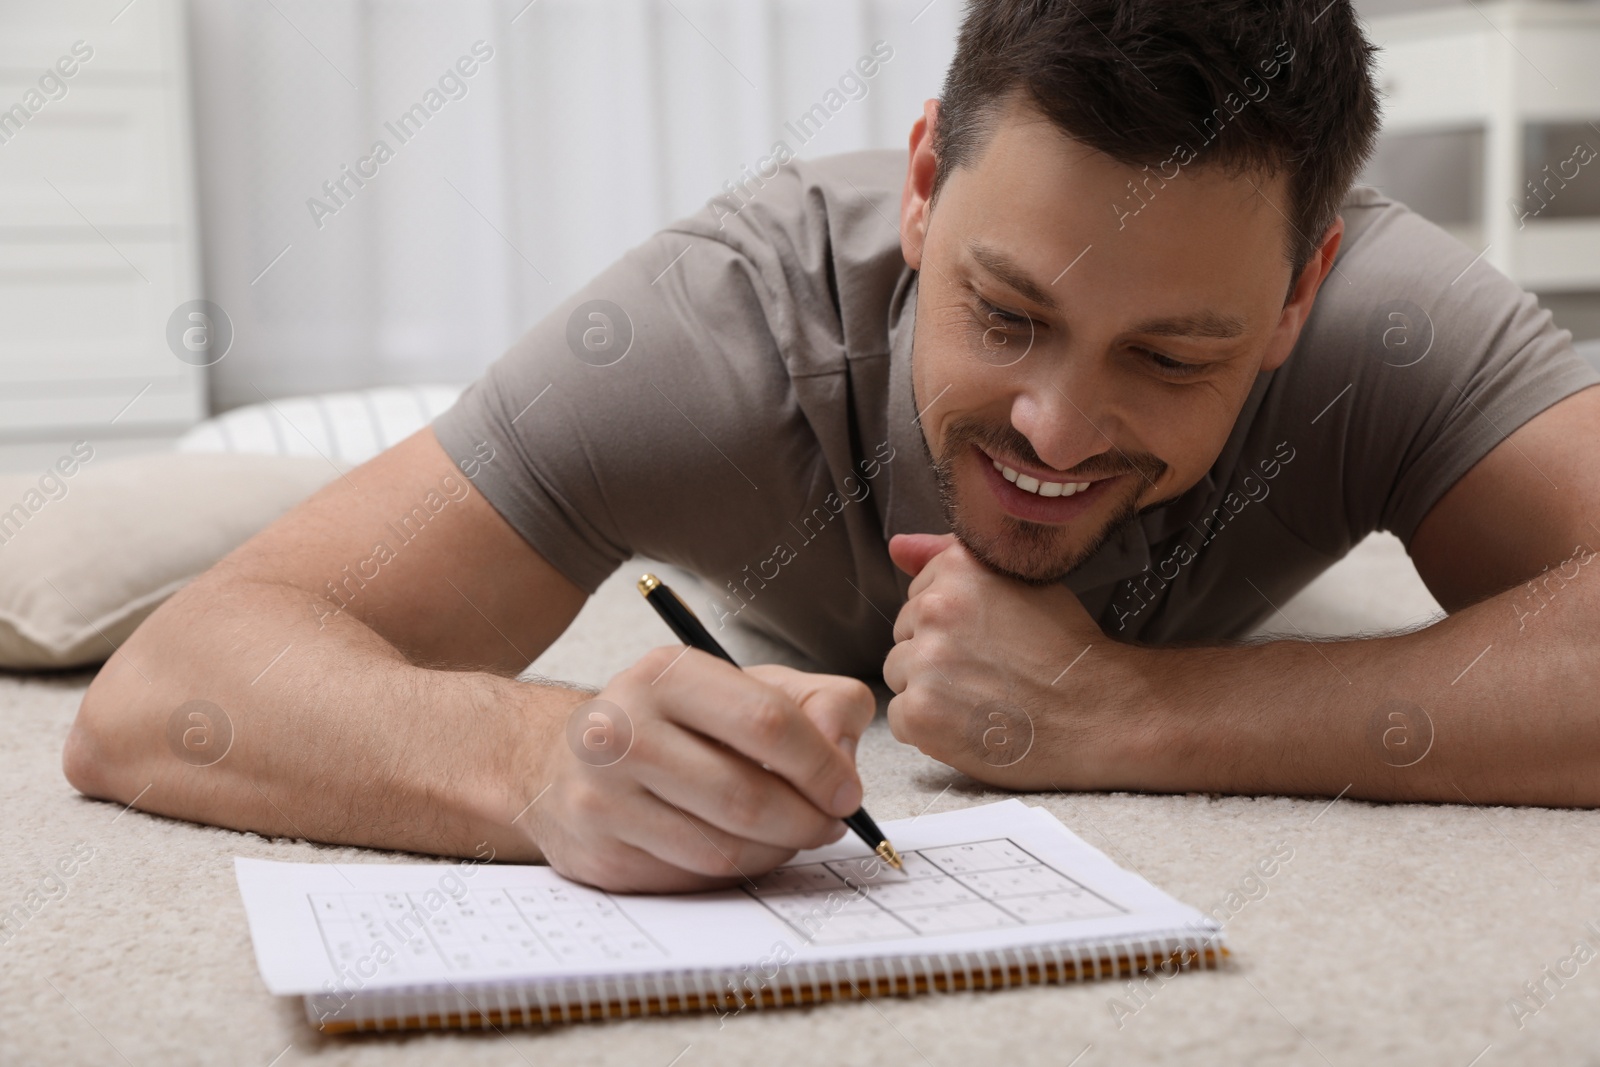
676, 614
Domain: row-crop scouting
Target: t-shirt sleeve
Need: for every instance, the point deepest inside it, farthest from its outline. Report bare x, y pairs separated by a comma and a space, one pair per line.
632, 417
1416, 362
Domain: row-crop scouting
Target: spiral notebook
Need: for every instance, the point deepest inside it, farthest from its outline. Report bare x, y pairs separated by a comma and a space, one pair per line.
992, 896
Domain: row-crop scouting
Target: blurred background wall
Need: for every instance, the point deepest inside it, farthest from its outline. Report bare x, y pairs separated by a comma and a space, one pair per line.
557, 134
591, 124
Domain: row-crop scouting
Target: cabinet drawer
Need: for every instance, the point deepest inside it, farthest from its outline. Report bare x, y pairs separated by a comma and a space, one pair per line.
76, 314
111, 153
36, 33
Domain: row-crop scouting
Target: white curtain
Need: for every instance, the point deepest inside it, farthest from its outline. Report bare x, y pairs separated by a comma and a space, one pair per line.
570, 130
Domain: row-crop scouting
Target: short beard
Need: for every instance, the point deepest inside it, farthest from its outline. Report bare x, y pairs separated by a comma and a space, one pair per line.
1032, 552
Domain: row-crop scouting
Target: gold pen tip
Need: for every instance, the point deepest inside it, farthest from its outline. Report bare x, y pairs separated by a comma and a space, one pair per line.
890, 856
648, 584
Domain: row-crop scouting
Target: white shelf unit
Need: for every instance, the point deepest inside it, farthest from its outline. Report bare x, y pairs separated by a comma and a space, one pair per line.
98, 240
1501, 68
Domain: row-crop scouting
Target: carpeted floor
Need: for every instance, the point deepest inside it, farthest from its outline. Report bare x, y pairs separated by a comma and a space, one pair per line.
1393, 934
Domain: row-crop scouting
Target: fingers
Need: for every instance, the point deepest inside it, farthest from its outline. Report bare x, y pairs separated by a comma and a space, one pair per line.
762, 723
621, 867
945, 590
723, 789
911, 552
841, 707
689, 843
897, 668
609, 829
954, 562
902, 663
625, 868
725, 774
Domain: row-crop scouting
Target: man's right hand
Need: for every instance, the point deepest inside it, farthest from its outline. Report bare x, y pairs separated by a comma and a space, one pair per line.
383, 709
687, 773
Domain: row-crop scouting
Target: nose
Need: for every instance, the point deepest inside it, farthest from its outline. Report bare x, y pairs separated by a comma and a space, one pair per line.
1060, 416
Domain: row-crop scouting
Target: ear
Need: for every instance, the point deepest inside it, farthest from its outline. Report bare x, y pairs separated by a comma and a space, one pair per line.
1298, 309
915, 198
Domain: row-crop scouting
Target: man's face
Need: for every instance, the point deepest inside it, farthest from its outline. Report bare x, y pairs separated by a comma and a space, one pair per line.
1082, 352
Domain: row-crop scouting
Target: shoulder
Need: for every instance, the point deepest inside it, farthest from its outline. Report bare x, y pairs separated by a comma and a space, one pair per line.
1410, 316
780, 194
823, 237
1418, 356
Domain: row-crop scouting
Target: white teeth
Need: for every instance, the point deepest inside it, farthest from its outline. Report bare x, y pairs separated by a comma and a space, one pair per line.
1029, 484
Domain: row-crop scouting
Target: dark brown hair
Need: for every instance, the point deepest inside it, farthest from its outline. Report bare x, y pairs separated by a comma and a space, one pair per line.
1255, 86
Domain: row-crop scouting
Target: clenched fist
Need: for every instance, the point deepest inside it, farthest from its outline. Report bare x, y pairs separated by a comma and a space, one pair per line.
1013, 684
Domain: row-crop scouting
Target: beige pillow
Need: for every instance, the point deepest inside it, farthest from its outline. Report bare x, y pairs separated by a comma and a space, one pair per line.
89, 547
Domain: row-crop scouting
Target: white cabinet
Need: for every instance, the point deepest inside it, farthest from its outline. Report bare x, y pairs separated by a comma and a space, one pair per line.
1506, 72
98, 242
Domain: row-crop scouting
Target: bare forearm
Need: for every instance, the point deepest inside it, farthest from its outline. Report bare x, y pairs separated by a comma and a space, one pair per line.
324, 732
1500, 703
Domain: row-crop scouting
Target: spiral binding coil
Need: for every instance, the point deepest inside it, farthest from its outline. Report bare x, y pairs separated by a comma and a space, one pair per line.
449, 1006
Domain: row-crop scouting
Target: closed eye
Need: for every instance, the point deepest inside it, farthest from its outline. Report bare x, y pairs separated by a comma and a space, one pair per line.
1001, 316
1172, 368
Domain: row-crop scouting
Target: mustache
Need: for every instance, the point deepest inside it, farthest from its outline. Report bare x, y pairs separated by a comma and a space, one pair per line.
1006, 440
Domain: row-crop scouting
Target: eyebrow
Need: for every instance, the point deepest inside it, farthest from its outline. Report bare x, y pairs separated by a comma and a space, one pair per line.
1200, 324
1011, 273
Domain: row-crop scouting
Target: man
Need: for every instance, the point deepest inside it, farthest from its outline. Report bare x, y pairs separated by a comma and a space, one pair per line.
1081, 390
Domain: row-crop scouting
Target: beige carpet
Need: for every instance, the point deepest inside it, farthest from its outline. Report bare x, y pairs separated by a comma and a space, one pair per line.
1394, 934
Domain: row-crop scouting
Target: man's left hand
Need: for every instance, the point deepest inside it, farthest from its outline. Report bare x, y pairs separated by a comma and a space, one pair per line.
1011, 683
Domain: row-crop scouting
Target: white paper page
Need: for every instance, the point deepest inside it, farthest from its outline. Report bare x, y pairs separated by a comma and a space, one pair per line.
982, 878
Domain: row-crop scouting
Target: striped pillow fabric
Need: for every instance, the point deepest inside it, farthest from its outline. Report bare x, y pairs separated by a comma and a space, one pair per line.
346, 428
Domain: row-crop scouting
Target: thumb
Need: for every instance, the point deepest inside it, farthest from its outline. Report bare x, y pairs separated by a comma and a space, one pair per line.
912, 552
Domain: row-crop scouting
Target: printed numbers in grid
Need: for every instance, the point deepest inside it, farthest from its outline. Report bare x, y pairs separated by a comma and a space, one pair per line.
431, 935
979, 885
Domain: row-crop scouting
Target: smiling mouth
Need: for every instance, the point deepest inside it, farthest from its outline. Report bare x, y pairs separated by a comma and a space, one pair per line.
1029, 484
1048, 501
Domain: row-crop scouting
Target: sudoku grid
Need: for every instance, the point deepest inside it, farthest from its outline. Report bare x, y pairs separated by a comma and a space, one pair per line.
979, 885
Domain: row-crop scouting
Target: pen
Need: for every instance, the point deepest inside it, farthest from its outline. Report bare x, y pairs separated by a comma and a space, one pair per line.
676, 614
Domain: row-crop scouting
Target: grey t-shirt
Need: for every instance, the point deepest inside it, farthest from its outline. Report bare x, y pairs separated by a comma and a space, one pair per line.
733, 396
